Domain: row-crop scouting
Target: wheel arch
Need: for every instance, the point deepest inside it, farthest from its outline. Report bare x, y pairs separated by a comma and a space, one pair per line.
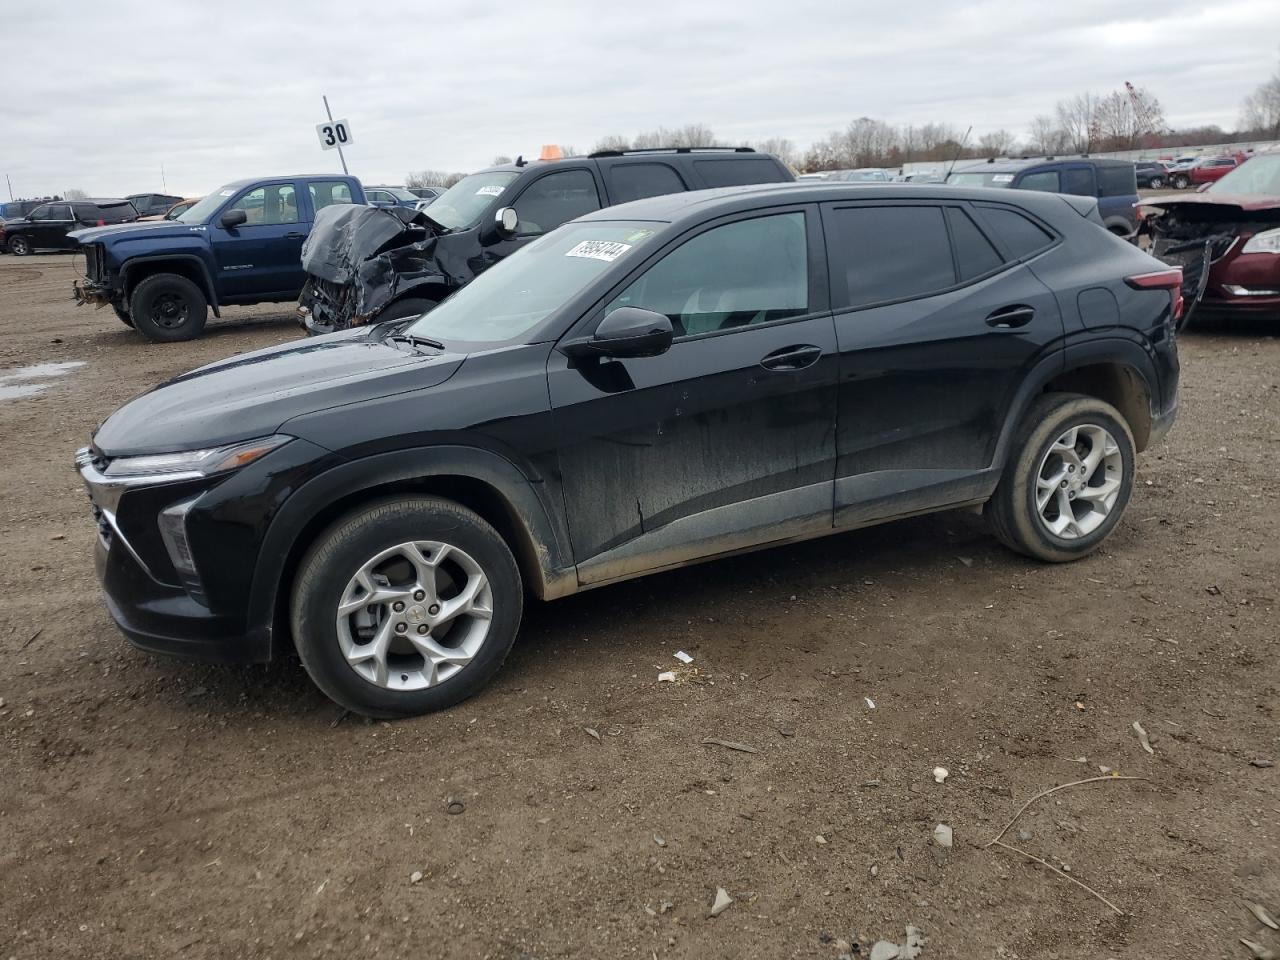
190, 266
520, 508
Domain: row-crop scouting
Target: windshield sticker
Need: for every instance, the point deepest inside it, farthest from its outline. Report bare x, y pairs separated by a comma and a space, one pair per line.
1002, 178
606, 250
492, 190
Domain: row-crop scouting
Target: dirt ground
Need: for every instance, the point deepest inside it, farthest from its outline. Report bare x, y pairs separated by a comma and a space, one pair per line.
155, 808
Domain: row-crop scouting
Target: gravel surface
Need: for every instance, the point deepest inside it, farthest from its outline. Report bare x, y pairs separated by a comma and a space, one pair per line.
155, 808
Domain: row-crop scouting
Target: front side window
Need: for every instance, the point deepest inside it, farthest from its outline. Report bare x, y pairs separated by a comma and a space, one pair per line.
272, 204
1045, 181
890, 253
325, 193
512, 297
555, 199
748, 272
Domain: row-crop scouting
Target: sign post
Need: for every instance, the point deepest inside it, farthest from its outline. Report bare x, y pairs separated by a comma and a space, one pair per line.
334, 134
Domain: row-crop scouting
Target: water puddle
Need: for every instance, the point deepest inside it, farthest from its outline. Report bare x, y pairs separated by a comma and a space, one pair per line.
33, 380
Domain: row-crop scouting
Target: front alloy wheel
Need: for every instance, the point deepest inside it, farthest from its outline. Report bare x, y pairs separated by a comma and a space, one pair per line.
406, 605
414, 615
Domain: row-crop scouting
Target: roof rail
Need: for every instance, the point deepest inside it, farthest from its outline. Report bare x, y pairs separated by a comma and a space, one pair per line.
627, 153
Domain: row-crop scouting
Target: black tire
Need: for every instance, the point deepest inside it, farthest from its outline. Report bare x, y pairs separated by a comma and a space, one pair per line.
20, 246
1157, 183
1012, 511
168, 307
350, 543
1180, 181
403, 309
122, 314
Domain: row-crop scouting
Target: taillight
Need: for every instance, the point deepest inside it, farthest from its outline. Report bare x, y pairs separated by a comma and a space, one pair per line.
1170, 280
101, 222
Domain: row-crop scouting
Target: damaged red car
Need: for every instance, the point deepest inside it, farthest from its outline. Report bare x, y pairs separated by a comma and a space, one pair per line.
1226, 239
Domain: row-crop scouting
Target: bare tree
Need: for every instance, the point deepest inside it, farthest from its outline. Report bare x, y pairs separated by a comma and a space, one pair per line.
1125, 117
1045, 136
780, 147
453, 178
1261, 110
501, 159
1078, 116
569, 151
74, 193
997, 143
612, 142
425, 178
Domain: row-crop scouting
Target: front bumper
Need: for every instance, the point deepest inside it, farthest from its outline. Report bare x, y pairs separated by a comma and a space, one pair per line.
144, 594
88, 291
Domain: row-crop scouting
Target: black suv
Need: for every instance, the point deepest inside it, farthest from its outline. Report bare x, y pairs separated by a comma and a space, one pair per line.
651, 385
365, 265
46, 227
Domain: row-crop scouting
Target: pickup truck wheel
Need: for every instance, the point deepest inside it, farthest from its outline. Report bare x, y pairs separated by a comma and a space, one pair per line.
123, 314
168, 307
19, 246
405, 606
1181, 181
1067, 481
403, 309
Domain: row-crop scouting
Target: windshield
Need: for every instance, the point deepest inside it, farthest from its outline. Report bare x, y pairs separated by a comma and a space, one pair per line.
980, 179
1259, 176
514, 296
202, 210
463, 204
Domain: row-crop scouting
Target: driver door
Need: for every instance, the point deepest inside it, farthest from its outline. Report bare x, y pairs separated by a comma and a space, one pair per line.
727, 440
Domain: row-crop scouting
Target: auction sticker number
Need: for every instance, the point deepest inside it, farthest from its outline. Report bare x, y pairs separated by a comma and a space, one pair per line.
333, 134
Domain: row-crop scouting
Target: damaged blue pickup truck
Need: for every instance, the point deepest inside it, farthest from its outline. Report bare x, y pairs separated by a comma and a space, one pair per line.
241, 244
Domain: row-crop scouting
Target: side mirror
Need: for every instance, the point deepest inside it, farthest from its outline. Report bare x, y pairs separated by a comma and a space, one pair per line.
505, 221
624, 332
232, 219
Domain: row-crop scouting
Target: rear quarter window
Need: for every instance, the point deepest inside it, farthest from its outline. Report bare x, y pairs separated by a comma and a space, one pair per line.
109, 212
1118, 181
1019, 234
738, 171
635, 181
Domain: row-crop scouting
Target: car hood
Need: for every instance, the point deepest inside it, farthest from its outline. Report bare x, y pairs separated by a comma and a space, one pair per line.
152, 228
1233, 201
251, 395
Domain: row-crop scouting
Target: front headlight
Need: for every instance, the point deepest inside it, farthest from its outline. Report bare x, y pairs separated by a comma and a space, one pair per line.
1268, 241
191, 464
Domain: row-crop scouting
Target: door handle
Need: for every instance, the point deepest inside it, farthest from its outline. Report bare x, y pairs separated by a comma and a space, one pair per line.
294, 235
792, 358
1008, 318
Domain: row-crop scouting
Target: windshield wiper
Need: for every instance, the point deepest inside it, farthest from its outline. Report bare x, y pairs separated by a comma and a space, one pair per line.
417, 341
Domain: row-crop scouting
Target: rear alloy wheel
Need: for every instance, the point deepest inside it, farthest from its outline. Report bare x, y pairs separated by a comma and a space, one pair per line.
1181, 182
1157, 183
406, 606
1068, 479
20, 246
168, 307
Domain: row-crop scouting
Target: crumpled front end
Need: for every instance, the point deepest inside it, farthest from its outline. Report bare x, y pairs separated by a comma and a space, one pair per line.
359, 259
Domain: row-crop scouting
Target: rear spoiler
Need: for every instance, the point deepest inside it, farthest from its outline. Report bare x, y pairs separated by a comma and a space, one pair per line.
1087, 207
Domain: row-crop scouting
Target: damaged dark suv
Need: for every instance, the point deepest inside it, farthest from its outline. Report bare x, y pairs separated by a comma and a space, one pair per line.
652, 385
364, 265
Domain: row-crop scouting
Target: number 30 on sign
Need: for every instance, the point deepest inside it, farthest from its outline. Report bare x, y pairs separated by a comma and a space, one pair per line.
334, 133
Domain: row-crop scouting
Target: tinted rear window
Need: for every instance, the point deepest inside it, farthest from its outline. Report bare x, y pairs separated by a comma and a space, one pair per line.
890, 253
1117, 182
1019, 234
974, 253
738, 171
108, 212
635, 181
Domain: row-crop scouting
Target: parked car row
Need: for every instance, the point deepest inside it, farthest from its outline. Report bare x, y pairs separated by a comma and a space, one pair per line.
48, 226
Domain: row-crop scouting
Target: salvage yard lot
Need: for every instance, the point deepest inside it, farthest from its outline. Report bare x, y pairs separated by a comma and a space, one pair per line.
159, 808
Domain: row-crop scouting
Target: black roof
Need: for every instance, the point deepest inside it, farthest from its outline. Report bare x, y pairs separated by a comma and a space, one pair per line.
701, 204
601, 154
1014, 164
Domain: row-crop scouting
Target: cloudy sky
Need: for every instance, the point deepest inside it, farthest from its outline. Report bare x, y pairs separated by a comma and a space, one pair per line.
100, 95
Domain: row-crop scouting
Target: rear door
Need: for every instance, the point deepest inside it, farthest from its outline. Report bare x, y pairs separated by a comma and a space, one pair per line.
263, 256
936, 327
54, 228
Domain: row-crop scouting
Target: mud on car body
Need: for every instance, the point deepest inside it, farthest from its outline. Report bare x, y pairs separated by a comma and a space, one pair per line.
652, 385
1226, 239
369, 265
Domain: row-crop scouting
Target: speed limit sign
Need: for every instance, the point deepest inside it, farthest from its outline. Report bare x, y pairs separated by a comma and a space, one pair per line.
334, 133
